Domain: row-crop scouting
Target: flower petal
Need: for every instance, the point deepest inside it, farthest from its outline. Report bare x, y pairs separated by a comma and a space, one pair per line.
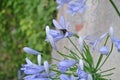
31, 51
50, 38
57, 25
65, 64
104, 50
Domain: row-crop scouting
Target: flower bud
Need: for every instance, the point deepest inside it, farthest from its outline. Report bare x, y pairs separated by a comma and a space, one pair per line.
46, 66
81, 64
39, 60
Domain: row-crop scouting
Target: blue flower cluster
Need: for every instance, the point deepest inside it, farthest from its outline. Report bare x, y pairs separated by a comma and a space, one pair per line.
74, 66
36, 71
73, 6
43, 72
64, 67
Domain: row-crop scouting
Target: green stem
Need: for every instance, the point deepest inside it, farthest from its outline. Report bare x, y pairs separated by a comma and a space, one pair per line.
55, 59
76, 35
115, 7
99, 60
106, 40
107, 74
74, 46
64, 55
107, 70
72, 52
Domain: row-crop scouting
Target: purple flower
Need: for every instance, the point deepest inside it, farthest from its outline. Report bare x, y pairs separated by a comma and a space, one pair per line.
36, 72
40, 76
65, 64
62, 2
104, 50
117, 44
115, 41
35, 77
89, 77
82, 75
50, 38
54, 35
31, 51
96, 41
31, 68
76, 6
62, 26
66, 77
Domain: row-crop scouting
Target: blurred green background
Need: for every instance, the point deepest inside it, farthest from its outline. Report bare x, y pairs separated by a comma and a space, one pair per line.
22, 23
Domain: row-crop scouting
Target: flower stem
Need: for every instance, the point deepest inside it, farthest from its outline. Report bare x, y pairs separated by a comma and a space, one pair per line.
74, 45
75, 35
107, 70
115, 7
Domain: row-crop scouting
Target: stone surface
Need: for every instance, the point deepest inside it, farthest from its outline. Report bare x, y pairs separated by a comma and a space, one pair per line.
96, 20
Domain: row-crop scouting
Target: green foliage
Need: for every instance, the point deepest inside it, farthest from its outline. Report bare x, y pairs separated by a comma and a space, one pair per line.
22, 23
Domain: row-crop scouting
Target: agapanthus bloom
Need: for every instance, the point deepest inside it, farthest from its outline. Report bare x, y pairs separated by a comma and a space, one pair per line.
51, 38
36, 77
76, 6
95, 41
61, 32
65, 64
36, 72
89, 77
61, 3
62, 26
104, 50
117, 44
66, 77
114, 40
31, 68
82, 75
80, 71
53, 35
81, 65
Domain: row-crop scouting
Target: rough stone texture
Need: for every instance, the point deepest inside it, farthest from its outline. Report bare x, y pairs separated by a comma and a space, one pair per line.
96, 20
